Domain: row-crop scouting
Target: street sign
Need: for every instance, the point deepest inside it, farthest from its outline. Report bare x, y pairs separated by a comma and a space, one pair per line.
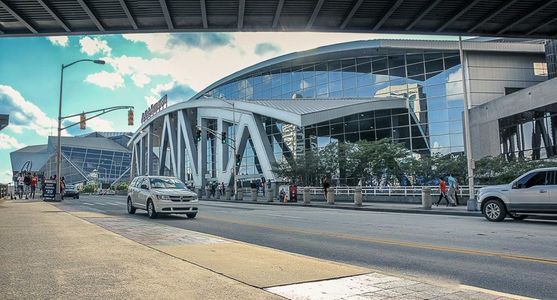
49, 190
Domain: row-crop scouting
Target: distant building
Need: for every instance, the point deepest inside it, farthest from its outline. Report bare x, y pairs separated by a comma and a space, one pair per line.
97, 156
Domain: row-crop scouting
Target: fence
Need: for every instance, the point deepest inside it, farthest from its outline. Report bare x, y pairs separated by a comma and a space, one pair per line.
387, 190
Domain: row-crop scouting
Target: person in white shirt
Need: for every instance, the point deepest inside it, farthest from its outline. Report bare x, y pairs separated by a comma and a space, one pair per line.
20, 184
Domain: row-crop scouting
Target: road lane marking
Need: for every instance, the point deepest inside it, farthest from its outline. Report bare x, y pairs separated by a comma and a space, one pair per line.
416, 245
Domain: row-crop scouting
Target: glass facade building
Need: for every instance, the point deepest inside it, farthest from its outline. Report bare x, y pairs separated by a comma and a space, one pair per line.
93, 157
430, 81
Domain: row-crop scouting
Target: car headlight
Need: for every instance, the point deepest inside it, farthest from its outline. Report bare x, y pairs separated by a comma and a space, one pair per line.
163, 197
194, 200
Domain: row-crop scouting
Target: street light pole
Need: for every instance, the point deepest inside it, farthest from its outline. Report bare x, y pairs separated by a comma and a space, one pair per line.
59, 147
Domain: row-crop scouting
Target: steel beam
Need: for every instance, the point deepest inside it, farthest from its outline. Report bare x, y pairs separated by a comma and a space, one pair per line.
315, 13
545, 23
492, 14
166, 14
18, 17
387, 15
91, 14
424, 12
351, 14
278, 11
204, 14
129, 14
526, 16
54, 15
241, 11
458, 15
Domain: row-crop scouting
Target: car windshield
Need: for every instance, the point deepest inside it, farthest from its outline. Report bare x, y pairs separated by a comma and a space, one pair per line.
167, 183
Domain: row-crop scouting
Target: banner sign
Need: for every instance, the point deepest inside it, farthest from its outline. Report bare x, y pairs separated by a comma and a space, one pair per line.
49, 191
154, 108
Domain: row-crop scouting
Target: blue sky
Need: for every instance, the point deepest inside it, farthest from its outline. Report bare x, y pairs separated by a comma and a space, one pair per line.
140, 69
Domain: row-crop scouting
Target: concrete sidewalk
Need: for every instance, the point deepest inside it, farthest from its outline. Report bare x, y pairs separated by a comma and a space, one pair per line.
50, 253
369, 206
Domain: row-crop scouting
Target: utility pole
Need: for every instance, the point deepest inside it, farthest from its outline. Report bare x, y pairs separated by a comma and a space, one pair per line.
469, 160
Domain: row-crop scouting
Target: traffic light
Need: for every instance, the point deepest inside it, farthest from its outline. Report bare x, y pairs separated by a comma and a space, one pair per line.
82, 121
198, 135
238, 160
223, 137
130, 117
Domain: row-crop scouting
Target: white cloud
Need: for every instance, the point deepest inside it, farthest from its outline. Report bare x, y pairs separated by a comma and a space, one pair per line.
62, 41
24, 115
92, 46
8, 142
106, 79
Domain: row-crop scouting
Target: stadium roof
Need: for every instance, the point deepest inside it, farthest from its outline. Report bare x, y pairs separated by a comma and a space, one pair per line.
87, 142
4, 120
510, 18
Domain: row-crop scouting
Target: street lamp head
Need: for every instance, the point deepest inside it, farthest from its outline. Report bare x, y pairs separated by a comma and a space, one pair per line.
99, 61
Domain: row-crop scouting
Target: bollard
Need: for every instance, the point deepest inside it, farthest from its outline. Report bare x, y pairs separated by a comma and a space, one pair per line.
254, 195
218, 194
228, 194
358, 196
240, 194
199, 194
426, 198
269, 195
307, 195
331, 196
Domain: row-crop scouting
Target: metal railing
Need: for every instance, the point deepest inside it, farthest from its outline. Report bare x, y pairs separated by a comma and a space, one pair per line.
386, 191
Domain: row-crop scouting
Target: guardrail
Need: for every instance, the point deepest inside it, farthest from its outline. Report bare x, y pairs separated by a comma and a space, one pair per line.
386, 191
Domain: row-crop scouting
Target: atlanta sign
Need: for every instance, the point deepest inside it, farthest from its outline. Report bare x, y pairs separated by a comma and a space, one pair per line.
154, 108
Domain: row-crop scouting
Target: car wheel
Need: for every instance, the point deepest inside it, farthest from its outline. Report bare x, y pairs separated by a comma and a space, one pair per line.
151, 210
131, 209
494, 211
518, 217
191, 215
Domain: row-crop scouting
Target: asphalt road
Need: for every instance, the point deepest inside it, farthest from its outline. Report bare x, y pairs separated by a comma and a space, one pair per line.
518, 257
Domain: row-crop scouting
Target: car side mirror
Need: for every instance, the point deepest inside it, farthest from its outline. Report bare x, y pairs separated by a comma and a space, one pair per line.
144, 187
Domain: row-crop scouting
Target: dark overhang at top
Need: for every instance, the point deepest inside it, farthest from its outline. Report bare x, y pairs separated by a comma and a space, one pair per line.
4, 120
510, 18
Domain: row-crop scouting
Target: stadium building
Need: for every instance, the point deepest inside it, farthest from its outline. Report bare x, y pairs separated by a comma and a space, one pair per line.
408, 91
99, 156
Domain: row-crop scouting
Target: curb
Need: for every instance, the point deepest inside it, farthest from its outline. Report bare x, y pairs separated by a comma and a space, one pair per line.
346, 207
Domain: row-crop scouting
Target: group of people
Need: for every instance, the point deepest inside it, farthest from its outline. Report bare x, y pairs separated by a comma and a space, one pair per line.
451, 194
213, 187
27, 185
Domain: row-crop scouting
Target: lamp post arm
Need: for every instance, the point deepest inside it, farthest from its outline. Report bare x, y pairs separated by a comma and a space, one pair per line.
102, 112
77, 61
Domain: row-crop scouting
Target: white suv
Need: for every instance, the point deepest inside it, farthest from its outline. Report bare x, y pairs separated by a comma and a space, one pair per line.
161, 195
532, 192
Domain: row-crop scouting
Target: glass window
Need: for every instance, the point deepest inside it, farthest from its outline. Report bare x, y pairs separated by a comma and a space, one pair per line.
378, 64
432, 56
383, 122
415, 69
451, 61
334, 65
364, 66
434, 66
532, 179
396, 61
414, 58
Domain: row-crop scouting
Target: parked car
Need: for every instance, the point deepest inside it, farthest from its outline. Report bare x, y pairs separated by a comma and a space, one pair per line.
71, 191
161, 195
534, 192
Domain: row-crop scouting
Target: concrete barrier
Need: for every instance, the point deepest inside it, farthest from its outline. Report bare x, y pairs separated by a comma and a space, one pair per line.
330, 196
426, 198
228, 194
307, 196
254, 195
240, 195
358, 196
269, 195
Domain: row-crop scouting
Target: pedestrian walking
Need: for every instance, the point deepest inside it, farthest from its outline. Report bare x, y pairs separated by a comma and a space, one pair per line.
62, 187
34, 182
442, 192
326, 185
263, 181
452, 189
27, 182
20, 185
456, 191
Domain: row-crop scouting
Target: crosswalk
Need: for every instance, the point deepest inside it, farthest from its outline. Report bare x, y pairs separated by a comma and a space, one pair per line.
104, 203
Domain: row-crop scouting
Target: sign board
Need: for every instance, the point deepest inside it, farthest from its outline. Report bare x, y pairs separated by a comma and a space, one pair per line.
49, 189
154, 108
